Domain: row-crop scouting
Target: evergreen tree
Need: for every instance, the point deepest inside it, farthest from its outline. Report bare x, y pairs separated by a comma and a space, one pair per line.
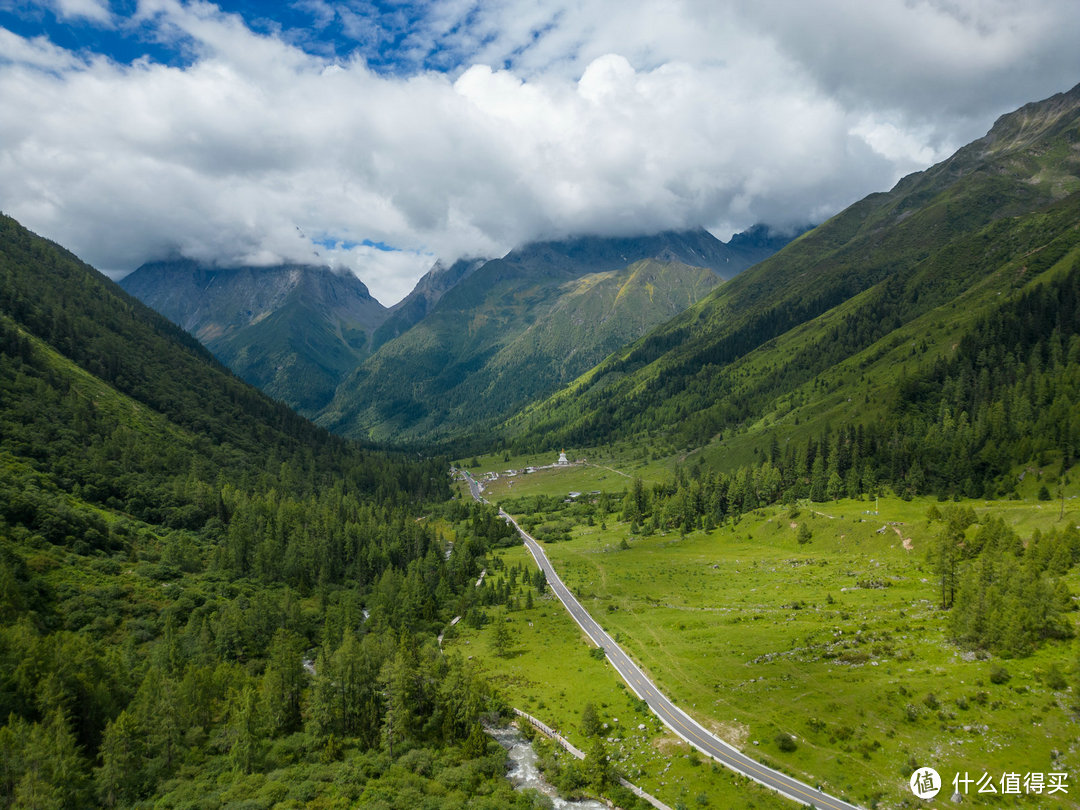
945, 551
590, 721
245, 729
158, 714
120, 777
818, 481
598, 770
283, 682
501, 639
322, 704
50, 771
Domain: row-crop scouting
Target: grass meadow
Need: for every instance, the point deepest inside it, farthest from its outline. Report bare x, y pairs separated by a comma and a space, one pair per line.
838, 642
551, 674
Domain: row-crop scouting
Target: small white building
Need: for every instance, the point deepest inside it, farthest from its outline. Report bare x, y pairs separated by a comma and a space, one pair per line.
562, 458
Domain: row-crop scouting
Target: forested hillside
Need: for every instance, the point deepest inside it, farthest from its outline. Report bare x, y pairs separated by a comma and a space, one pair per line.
290, 330
925, 341
205, 600
518, 327
920, 338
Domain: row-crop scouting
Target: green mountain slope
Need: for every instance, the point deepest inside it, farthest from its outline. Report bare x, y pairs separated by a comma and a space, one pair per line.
174, 545
414, 307
814, 331
516, 328
291, 330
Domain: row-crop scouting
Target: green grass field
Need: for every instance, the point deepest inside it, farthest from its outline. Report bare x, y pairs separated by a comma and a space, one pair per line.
599, 469
550, 674
839, 643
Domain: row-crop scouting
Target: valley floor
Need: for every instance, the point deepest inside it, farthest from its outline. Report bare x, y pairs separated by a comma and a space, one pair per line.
835, 649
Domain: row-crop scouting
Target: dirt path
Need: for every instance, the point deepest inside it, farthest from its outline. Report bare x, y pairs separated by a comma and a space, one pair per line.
904, 541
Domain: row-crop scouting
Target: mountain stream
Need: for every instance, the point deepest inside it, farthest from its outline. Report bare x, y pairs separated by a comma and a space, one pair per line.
525, 774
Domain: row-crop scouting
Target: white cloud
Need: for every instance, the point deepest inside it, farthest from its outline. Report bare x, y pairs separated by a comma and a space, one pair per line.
897, 144
95, 10
38, 52
614, 117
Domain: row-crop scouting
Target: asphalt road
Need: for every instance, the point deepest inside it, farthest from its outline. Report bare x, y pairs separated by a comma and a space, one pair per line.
672, 716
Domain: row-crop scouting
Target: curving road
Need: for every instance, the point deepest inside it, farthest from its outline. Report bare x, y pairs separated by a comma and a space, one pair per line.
672, 716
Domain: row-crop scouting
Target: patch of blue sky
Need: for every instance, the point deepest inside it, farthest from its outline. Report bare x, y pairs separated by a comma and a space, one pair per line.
333, 243
398, 38
393, 38
121, 39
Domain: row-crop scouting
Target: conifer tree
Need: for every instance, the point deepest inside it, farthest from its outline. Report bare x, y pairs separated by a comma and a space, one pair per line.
118, 780
245, 729
501, 639
283, 682
590, 720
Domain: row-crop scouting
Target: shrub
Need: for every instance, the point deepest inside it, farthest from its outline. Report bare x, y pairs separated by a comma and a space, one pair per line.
590, 721
1054, 679
785, 742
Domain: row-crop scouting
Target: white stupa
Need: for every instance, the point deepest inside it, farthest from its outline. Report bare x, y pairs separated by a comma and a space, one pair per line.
562, 458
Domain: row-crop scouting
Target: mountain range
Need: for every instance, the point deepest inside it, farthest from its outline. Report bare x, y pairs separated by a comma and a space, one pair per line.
865, 319
509, 329
596, 340
414, 307
175, 545
518, 327
291, 330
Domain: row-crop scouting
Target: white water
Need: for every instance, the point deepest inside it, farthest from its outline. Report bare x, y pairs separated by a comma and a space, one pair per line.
524, 772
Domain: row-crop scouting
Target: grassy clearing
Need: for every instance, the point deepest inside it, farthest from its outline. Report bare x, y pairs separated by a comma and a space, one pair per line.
619, 466
551, 674
838, 643
559, 482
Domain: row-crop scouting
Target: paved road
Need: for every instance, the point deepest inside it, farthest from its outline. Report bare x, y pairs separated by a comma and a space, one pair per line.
671, 715
474, 487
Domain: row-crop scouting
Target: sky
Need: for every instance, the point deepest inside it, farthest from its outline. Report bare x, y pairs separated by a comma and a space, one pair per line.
379, 135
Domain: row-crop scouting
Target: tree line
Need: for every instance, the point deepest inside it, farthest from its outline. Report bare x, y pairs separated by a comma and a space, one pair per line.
205, 599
